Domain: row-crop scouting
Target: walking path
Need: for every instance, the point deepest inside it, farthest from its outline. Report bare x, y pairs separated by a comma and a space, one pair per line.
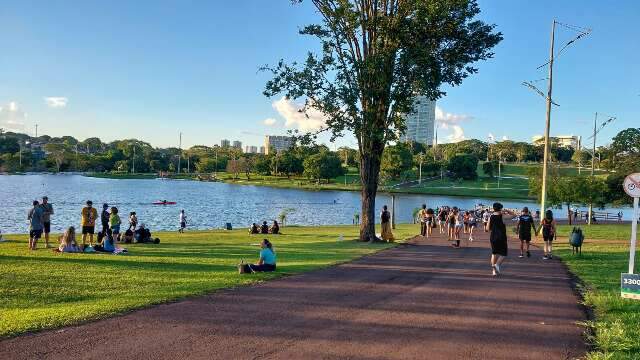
424, 300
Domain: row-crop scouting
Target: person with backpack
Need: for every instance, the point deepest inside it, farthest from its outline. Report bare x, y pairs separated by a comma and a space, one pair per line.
497, 238
36, 224
523, 228
548, 229
385, 223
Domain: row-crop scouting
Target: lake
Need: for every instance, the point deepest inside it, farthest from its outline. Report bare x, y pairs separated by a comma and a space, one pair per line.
208, 205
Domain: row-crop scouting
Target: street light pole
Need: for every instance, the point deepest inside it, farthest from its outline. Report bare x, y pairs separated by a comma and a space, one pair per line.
593, 161
179, 153
543, 197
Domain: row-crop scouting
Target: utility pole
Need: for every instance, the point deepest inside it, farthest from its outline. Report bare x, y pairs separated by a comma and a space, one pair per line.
545, 163
179, 153
593, 161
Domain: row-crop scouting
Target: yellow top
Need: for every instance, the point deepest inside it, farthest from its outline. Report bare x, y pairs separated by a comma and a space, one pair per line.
89, 216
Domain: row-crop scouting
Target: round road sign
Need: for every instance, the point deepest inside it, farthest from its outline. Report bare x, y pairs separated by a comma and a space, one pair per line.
632, 185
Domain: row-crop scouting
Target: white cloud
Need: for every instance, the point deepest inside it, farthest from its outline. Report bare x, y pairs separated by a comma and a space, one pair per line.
294, 117
451, 122
505, 138
491, 137
56, 101
270, 121
12, 117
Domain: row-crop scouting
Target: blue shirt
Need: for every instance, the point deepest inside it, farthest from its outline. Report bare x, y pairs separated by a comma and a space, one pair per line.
268, 256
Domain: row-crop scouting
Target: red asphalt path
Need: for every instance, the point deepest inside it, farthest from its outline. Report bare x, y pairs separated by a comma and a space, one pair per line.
419, 301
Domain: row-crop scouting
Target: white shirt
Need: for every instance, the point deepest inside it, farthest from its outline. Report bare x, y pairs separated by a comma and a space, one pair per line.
183, 217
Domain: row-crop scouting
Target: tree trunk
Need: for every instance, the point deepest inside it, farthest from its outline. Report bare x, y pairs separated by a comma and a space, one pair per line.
369, 175
569, 212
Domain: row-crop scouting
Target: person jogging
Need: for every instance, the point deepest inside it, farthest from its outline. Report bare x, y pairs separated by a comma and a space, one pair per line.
497, 238
523, 228
48, 211
548, 229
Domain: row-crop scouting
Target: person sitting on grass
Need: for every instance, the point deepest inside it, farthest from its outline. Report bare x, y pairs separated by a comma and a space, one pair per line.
107, 244
254, 229
142, 234
275, 228
267, 261
264, 229
128, 236
68, 241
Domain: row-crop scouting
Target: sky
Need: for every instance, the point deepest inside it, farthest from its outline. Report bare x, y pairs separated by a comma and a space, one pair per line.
152, 69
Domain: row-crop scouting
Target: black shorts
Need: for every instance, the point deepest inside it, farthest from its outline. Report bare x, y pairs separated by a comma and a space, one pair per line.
47, 227
88, 230
548, 238
183, 225
525, 237
35, 234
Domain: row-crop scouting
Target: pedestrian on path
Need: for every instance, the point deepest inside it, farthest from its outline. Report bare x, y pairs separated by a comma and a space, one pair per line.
458, 224
473, 223
523, 228
431, 218
497, 238
36, 224
548, 229
48, 211
422, 216
442, 218
385, 223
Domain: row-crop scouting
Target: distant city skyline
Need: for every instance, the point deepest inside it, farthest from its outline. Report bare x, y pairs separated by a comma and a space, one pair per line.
151, 69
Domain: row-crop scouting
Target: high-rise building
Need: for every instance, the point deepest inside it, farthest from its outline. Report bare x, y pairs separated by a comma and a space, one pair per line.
237, 144
225, 143
277, 143
262, 149
251, 149
421, 121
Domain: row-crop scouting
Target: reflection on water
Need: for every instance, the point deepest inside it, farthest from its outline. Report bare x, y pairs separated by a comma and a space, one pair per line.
208, 205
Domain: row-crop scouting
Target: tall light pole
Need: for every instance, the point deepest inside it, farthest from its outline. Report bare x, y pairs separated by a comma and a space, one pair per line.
179, 153
593, 155
543, 197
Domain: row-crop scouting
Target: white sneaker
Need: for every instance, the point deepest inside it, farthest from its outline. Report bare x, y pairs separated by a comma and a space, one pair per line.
497, 267
493, 271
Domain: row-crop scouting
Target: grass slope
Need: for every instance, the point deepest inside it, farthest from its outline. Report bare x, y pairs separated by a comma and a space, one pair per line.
605, 256
43, 289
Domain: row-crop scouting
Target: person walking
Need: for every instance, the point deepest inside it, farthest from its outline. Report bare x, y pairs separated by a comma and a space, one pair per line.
36, 224
442, 218
89, 216
523, 228
458, 226
497, 238
473, 223
48, 211
422, 216
485, 219
385, 223
548, 229
183, 221
104, 219
431, 218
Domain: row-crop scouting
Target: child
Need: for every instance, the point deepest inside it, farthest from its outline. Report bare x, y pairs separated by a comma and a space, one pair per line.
548, 229
114, 223
68, 241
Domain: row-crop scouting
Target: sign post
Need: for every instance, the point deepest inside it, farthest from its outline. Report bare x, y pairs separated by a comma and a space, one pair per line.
630, 282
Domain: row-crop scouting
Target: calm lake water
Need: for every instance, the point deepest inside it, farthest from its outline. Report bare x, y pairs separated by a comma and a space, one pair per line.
207, 205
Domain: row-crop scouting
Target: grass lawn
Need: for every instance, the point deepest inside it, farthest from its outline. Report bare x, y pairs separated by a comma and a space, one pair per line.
514, 169
605, 256
43, 289
510, 188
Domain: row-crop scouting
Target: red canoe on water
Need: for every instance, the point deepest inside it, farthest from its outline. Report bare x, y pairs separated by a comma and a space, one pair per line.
164, 203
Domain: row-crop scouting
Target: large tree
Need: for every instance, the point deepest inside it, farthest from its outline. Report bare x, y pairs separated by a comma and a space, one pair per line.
376, 55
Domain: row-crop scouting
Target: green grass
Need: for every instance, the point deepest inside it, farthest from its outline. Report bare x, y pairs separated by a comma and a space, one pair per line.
510, 188
43, 289
605, 256
514, 169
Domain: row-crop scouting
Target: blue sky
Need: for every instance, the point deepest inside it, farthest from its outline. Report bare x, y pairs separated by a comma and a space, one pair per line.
150, 69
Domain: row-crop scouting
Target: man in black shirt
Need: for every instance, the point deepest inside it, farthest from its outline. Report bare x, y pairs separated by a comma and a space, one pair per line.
524, 226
